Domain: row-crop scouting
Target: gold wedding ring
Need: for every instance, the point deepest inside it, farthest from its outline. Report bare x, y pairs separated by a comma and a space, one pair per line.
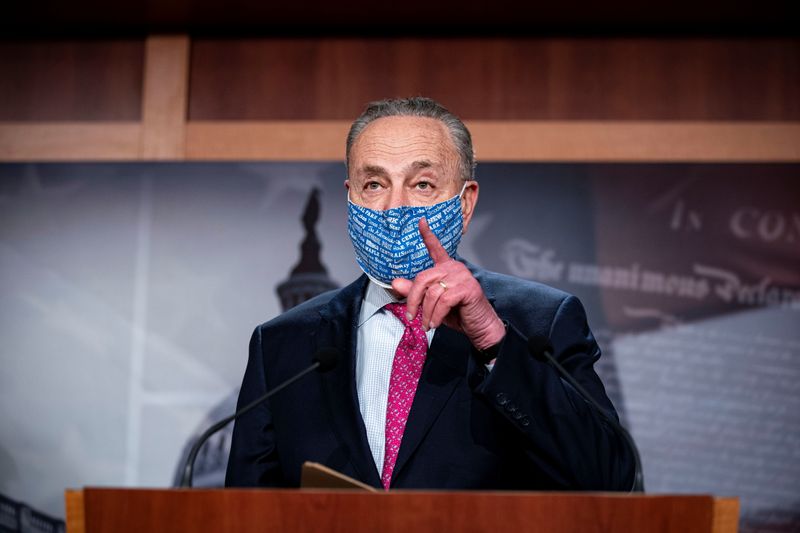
443, 284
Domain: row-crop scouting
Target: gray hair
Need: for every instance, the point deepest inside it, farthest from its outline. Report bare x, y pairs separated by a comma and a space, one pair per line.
418, 106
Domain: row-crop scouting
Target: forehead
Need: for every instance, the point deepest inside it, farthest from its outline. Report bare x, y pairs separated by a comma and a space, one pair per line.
405, 138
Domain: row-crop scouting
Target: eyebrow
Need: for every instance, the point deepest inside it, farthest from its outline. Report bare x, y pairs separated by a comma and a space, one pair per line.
416, 166
374, 170
420, 165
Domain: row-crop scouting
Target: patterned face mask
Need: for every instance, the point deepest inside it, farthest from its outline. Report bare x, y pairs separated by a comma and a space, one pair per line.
388, 243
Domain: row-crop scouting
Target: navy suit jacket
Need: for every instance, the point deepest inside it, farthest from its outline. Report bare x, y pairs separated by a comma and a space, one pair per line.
518, 426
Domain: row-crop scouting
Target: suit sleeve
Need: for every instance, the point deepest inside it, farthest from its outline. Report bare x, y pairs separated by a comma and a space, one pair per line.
253, 460
559, 433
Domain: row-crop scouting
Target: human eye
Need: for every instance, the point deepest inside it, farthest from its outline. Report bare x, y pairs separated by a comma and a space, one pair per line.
372, 185
425, 186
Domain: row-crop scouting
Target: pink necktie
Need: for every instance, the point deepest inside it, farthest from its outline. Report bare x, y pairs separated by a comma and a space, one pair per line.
406, 370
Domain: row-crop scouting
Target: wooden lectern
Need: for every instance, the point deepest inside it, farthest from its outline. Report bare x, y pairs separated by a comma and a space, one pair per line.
100, 510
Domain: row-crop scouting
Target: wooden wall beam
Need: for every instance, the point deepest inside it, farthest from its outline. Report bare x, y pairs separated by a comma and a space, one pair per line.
621, 141
69, 141
624, 141
165, 97
634, 141
279, 140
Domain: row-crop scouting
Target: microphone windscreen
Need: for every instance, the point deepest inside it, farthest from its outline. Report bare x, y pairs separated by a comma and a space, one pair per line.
539, 344
327, 358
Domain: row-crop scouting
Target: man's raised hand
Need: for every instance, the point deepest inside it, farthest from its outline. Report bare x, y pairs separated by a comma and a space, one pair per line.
449, 294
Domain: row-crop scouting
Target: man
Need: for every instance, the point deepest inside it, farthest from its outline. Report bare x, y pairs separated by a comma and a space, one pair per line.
435, 386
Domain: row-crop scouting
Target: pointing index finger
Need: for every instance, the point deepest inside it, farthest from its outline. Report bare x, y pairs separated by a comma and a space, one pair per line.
435, 248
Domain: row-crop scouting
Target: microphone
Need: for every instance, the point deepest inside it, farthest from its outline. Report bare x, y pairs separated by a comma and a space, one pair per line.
324, 360
540, 348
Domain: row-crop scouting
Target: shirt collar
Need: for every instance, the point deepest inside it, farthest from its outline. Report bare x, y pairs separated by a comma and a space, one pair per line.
375, 298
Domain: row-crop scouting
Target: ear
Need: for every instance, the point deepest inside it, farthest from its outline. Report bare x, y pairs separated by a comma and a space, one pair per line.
468, 202
347, 184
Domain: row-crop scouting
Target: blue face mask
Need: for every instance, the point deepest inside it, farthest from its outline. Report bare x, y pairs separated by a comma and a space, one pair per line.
388, 244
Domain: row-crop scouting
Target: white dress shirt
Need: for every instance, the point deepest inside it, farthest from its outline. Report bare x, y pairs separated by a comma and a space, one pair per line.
379, 333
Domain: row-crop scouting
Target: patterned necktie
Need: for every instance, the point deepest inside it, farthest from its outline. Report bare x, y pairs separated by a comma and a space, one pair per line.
406, 370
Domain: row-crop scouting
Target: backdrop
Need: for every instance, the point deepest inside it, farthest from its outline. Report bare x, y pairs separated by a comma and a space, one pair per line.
128, 293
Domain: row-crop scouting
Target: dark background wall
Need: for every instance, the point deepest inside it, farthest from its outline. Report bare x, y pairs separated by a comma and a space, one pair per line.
496, 78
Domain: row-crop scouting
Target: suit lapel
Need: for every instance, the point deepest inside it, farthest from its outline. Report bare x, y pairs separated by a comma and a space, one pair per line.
447, 363
445, 367
338, 329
